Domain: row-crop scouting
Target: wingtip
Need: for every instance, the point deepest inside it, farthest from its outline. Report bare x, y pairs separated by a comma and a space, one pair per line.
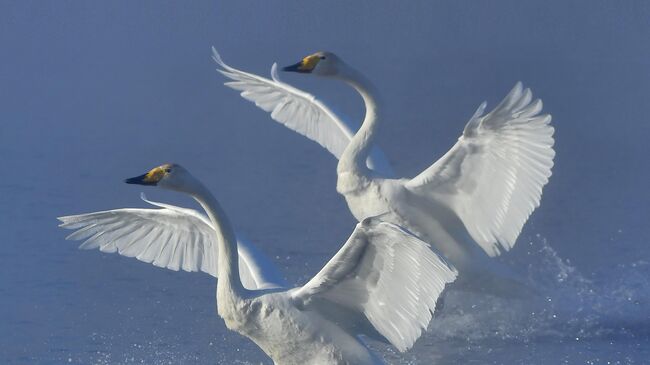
517, 89
274, 72
480, 110
65, 220
548, 118
144, 198
454, 273
217, 57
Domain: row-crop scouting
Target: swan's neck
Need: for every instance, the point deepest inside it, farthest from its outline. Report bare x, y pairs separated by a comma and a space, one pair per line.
355, 155
229, 286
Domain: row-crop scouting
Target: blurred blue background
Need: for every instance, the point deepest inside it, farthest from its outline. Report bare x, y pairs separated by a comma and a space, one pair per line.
93, 92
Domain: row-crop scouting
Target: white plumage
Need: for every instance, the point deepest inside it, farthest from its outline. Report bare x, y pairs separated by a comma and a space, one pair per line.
170, 237
387, 274
494, 175
486, 186
383, 283
299, 111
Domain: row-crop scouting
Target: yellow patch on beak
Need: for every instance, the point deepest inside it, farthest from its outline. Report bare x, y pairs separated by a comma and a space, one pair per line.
156, 174
308, 63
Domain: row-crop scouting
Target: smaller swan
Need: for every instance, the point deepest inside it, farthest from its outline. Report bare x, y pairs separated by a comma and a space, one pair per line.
365, 289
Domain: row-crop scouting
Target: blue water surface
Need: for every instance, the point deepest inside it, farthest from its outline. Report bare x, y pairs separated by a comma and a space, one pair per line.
92, 92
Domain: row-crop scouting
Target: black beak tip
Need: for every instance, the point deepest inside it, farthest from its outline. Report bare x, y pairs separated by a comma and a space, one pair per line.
293, 68
138, 180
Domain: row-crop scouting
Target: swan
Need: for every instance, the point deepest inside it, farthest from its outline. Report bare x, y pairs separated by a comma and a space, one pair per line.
470, 205
365, 289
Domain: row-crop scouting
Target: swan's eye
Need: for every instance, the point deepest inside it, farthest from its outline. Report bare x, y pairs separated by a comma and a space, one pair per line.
168, 170
322, 57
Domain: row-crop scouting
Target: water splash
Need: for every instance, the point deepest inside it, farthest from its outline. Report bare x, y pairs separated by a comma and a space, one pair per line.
567, 304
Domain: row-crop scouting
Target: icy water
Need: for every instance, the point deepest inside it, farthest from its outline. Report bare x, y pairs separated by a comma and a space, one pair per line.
91, 93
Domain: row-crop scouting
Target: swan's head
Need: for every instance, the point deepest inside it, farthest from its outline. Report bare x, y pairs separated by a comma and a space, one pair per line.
320, 63
168, 176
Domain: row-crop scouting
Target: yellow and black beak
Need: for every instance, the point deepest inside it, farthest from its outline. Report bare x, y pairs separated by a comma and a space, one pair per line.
150, 178
305, 66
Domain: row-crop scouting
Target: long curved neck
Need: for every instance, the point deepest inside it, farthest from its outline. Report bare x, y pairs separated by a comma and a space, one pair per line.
355, 155
229, 286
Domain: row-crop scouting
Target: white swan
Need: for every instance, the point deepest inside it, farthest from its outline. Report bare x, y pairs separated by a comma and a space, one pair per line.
486, 186
365, 289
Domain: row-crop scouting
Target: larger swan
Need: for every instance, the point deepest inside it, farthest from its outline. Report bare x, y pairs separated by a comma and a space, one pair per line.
485, 187
365, 289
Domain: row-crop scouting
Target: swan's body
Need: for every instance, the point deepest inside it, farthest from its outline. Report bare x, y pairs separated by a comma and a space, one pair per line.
365, 289
482, 191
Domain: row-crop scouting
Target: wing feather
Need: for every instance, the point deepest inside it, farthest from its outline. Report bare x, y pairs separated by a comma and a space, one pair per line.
298, 111
492, 178
384, 274
171, 237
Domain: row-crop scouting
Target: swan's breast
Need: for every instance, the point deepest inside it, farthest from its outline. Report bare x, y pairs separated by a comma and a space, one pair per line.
366, 197
291, 336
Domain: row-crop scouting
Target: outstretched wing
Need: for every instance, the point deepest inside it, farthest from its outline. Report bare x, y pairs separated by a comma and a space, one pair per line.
298, 111
385, 275
492, 178
171, 237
